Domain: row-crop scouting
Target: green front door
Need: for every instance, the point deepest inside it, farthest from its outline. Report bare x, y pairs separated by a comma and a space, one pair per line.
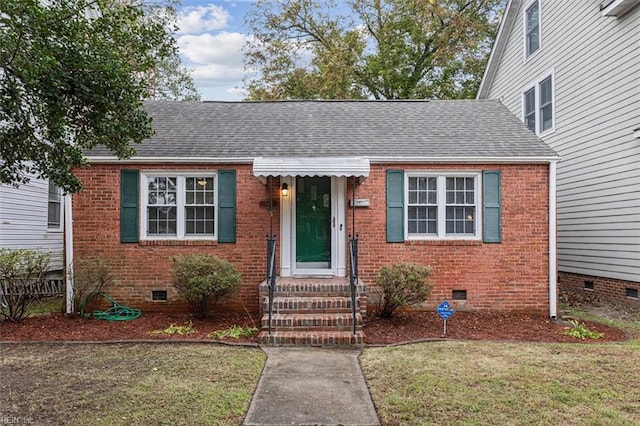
313, 222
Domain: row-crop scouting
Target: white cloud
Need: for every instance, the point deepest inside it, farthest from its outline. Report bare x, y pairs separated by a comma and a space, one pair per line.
222, 48
216, 74
197, 19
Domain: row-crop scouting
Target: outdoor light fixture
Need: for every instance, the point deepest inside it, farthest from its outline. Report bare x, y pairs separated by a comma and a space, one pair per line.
285, 190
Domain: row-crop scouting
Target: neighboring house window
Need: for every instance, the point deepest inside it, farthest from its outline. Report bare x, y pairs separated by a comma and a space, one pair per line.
179, 205
532, 28
538, 105
54, 209
442, 206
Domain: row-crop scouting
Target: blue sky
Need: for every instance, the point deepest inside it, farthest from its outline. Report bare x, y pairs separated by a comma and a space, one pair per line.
210, 38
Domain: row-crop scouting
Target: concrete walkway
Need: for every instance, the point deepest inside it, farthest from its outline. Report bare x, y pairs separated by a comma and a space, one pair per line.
311, 386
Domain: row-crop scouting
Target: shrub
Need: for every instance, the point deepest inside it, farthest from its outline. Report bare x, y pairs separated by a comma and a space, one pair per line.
22, 272
203, 280
401, 284
90, 275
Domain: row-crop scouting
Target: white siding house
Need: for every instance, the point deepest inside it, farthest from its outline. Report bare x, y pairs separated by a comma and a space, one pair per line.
31, 217
571, 71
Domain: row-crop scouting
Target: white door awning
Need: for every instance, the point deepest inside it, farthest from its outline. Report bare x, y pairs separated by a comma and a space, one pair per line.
311, 166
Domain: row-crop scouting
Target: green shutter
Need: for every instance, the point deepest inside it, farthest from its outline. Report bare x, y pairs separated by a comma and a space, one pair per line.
395, 206
227, 206
491, 230
129, 206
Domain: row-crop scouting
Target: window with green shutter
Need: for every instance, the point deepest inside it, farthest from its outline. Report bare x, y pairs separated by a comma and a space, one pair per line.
492, 232
395, 206
443, 205
227, 206
189, 205
129, 206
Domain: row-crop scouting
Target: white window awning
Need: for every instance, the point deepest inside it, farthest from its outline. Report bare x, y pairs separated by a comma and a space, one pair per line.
311, 166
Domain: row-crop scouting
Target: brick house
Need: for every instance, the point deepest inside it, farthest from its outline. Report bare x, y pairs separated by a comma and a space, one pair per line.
462, 186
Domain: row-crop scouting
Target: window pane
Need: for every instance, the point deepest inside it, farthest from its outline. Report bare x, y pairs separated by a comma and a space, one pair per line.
546, 104
199, 220
413, 197
545, 91
161, 221
530, 109
53, 214
460, 220
533, 28
422, 220
433, 184
54, 208
546, 114
413, 183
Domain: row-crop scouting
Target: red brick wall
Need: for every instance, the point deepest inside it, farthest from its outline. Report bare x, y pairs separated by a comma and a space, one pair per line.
512, 275
507, 276
604, 289
142, 267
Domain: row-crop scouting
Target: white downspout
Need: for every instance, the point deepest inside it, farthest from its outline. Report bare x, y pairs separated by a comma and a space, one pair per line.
68, 248
553, 267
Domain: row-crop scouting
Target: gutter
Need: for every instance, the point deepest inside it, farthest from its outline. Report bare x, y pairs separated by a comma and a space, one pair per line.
391, 160
553, 266
68, 251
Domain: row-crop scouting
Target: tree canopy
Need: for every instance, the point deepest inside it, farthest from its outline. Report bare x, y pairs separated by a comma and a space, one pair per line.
73, 75
382, 49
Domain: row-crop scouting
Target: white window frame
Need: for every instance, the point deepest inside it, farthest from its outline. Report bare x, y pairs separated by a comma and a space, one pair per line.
442, 206
59, 201
538, 107
180, 204
528, 55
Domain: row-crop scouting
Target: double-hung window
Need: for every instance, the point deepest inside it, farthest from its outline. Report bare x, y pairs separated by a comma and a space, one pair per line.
442, 205
532, 28
54, 208
538, 105
181, 206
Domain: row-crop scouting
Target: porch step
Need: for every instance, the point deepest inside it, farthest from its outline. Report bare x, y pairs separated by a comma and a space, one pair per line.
312, 322
313, 312
301, 305
312, 338
313, 288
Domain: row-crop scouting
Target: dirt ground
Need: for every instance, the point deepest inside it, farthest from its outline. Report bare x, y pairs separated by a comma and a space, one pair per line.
404, 327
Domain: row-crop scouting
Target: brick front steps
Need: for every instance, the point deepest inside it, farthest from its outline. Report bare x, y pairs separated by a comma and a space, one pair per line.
312, 312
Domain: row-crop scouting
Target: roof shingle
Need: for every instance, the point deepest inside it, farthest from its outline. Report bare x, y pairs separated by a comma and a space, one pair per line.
372, 129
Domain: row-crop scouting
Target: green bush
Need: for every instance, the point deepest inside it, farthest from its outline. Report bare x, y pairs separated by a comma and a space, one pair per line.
22, 272
401, 284
203, 280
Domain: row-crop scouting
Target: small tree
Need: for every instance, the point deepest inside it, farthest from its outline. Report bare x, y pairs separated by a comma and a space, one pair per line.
203, 280
90, 275
22, 272
402, 284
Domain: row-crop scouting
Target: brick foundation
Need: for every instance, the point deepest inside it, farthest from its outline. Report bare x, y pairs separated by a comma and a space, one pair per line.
604, 289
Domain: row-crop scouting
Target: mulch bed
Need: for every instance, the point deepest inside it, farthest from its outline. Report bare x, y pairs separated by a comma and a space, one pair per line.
404, 327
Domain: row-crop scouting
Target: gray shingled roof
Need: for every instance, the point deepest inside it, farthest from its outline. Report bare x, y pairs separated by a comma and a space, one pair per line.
372, 129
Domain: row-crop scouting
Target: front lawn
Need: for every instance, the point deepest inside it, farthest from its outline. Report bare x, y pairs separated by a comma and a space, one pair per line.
127, 384
449, 383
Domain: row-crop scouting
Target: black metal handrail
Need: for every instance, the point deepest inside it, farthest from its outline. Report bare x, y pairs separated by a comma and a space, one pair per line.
353, 276
271, 273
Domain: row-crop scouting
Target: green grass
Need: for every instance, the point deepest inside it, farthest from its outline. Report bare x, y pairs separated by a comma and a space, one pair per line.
46, 305
504, 383
128, 384
631, 326
478, 383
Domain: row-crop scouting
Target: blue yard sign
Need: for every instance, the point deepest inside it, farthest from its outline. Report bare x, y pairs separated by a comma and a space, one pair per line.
445, 311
